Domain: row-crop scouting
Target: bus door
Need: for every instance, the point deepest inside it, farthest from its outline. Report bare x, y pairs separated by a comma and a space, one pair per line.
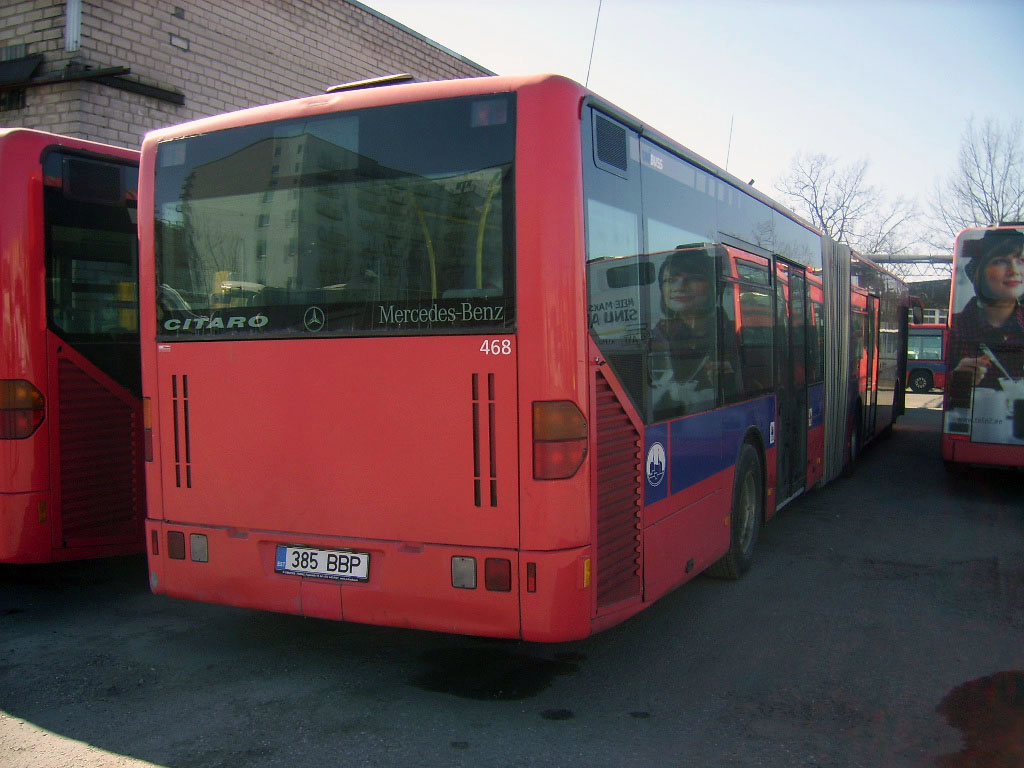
791, 380
871, 360
864, 358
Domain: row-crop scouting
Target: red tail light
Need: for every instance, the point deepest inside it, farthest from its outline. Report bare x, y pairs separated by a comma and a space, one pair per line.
559, 440
531, 577
498, 574
147, 428
21, 409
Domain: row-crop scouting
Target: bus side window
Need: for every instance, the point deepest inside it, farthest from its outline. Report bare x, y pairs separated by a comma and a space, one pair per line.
731, 380
816, 343
755, 336
931, 348
685, 364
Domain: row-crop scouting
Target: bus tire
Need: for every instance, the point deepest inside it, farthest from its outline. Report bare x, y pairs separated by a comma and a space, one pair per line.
921, 381
745, 517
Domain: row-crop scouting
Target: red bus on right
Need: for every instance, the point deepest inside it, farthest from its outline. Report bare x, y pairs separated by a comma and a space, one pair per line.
984, 401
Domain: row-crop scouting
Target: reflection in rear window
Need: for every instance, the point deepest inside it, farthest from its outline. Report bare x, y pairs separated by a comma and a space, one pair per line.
396, 220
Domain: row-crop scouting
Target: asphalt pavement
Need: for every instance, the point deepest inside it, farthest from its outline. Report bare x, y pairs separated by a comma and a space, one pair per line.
881, 625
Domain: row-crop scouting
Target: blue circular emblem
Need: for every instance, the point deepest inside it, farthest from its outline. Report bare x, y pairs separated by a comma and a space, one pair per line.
655, 464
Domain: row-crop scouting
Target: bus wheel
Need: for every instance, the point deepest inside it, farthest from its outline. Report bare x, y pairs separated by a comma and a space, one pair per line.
921, 381
745, 517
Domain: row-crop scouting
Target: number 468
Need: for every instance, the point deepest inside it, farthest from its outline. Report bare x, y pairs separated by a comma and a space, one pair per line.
496, 347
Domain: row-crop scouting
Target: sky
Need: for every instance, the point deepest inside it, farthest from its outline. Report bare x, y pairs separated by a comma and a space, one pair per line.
891, 82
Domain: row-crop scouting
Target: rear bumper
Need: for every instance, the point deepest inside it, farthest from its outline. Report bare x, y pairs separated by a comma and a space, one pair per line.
409, 584
25, 528
993, 454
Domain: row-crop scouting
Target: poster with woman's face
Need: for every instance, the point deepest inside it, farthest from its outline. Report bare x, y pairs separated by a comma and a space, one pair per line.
989, 267
986, 348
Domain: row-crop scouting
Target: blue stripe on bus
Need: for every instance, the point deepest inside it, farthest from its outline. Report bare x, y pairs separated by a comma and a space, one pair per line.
697, 447
816, 402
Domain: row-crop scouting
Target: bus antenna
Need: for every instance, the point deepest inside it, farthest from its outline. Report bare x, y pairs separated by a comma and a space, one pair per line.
728, 149
593, 43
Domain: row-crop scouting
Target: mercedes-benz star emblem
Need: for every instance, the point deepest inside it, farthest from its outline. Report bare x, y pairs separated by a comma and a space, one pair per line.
314, 319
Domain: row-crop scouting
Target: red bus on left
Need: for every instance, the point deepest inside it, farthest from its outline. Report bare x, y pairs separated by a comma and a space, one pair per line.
71, 421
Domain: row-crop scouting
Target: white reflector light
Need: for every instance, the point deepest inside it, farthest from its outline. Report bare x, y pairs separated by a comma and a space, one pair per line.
464, 572
199, 546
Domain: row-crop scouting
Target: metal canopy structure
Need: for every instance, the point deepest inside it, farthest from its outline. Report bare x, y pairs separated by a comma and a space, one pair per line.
913, 267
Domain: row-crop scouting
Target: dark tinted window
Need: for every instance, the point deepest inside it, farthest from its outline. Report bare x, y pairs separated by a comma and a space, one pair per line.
746, 219
92, 261
656, 252
618, 274
396, 220
816, 342
797, 243
754, 323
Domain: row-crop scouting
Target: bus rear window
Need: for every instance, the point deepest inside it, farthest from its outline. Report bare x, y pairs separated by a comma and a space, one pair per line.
92, 260
396, 220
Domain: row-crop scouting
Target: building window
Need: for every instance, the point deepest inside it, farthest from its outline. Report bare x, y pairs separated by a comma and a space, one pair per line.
11, 100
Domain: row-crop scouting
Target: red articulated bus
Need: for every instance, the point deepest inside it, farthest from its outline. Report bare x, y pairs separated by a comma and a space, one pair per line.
485, 356
71, 468
984, 400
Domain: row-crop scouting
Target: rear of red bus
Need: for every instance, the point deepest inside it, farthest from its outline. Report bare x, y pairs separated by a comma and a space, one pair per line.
70, 412
926, 364
983, 420
365, 358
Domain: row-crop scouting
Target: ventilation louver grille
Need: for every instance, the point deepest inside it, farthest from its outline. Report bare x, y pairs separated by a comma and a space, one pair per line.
485, 460
182, 432
611, 144
99, 485
618, 501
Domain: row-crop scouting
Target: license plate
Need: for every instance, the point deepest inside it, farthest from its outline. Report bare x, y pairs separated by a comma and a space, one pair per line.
341, 565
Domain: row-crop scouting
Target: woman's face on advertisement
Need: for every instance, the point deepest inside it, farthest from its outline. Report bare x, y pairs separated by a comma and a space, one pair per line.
1004, 276
684, 292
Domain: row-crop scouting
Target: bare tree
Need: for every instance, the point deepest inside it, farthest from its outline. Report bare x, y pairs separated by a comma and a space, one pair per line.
839, 201
987, 186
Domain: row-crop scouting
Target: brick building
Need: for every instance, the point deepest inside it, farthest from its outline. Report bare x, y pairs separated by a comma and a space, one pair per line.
110, 70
